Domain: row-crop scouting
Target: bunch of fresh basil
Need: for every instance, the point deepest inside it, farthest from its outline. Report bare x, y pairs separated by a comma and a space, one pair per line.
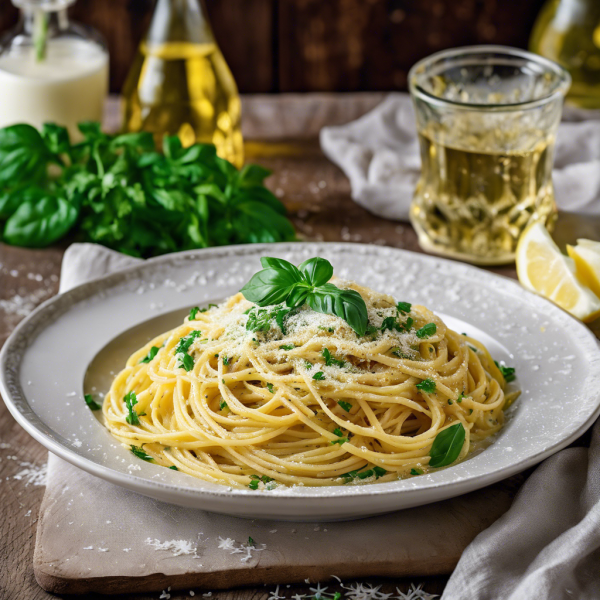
120, 192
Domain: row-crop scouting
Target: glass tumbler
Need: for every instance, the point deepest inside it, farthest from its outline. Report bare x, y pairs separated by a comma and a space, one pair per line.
487, 118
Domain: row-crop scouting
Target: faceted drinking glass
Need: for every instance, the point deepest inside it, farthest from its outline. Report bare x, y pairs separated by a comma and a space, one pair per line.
487, 118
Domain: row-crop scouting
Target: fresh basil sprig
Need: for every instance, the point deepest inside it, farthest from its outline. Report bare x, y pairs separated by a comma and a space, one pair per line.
120, 192
447, 446
281, 281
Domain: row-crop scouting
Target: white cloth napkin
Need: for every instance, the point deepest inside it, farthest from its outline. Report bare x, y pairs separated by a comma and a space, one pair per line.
546, 547
380, 155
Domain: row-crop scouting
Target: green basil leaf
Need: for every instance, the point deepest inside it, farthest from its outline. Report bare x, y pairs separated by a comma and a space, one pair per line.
11, 200
346, 304
297, 296
254, 222
252, 175
447, 446
37, 224
317, 271
56, 138
261, 195
211, 189
269, 262
142, 140
23, 155
269, 286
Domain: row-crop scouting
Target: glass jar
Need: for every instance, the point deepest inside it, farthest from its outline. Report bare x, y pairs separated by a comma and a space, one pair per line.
51, 70
181, 85
486, 119
568, 32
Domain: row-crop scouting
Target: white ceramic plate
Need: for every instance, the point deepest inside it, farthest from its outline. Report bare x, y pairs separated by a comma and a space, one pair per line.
44, 363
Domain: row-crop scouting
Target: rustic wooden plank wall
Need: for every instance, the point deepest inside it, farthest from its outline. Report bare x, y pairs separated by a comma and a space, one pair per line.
318, 45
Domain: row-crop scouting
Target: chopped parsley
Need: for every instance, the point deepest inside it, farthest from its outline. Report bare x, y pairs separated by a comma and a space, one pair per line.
360, 474
408, 324
186, 341
426, 331
89, 400
427, 385
226, 360
507, 372
416, 472
140, 453
319, 376
193, 312
307, 365
450, 401
397, 352
287, 347
329, 360
345, 405
256, 479
130, 400
371, 330
328, 329
251, 542
174, 468
474, 349
223, 405
390, 323
259, 319
151, 354
403, 307
461, 397
341, 438
185, 362
271, 388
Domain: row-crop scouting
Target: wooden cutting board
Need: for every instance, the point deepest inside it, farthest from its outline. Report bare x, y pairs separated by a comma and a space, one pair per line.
96, 537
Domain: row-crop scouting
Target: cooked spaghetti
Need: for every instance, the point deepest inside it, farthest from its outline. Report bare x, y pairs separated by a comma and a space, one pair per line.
258, 398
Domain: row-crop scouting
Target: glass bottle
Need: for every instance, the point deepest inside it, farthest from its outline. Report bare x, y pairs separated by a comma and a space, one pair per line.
180, 83
51, 70
568, 32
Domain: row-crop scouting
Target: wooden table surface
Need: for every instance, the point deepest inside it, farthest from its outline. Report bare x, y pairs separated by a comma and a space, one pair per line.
317, 195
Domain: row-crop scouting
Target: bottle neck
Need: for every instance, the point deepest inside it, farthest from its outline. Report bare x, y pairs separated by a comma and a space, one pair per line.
34, 19
179, 21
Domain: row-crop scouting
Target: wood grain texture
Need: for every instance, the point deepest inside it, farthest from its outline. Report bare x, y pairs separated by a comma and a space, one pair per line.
318, 196
316, 45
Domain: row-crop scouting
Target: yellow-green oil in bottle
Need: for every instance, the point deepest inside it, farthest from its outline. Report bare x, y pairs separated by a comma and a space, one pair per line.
568, 32
180, 84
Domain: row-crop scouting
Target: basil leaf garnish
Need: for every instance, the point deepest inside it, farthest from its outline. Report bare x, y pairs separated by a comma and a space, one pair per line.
317, 271
447, 446
346, 304
281, 281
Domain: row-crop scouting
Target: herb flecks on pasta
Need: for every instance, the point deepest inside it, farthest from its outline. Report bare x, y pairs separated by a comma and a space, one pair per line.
305, 379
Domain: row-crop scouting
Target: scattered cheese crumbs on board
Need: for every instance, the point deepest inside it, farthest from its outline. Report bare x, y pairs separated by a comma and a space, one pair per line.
177, 547
233, 547
32, 474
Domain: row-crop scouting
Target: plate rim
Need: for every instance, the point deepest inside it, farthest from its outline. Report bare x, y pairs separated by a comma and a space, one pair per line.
151, 487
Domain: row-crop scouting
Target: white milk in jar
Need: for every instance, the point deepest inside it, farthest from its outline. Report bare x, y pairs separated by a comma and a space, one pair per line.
65, 84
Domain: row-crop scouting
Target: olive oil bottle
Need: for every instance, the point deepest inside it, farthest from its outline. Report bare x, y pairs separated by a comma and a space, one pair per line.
568, 32
180, 83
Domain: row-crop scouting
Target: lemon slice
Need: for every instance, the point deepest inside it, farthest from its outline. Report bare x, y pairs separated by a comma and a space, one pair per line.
543, 269
587, 263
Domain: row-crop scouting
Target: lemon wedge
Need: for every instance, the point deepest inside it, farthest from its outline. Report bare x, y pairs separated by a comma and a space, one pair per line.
587, 263
543, 269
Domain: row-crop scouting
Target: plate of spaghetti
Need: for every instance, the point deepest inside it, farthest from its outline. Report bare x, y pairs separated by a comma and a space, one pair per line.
302, 381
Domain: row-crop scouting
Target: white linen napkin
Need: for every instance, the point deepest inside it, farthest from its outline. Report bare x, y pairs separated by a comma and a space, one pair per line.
380, 155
